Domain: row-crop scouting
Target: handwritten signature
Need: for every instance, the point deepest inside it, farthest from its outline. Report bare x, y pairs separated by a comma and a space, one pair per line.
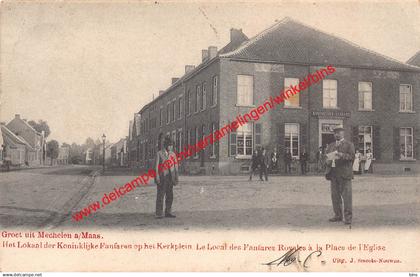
292, 256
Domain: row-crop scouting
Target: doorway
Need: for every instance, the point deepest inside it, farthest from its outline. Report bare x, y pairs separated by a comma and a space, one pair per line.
327, 139
326, 130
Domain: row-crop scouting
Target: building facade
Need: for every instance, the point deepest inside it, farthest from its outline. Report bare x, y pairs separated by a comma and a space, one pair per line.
375, 98
14, 148
20, 127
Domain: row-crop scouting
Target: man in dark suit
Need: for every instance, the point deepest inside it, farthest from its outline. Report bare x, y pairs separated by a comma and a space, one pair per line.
264, 164
254, 163
287, 161
166, 177
303, 159
274, 159
340, 156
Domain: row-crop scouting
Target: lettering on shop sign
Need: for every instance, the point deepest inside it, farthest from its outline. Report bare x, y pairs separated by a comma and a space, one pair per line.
331, 113
263, 67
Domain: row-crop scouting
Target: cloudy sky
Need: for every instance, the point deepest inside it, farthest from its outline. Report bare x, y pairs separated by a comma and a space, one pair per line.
87, 67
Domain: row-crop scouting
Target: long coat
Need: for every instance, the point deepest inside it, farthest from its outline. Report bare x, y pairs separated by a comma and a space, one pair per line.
344, 165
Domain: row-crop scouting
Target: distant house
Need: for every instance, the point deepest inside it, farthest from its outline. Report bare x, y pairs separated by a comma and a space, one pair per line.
15, 148
63, 155
135, 153
35, 139
89, 156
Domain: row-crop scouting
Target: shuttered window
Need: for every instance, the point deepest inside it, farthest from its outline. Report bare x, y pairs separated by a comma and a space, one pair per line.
406, 98
291, 138
365, 95
292, 101
329, 93
258, 134
245, 90
406, 143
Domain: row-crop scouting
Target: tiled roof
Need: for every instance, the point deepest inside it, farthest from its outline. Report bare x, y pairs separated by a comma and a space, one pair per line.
26, 143
16, 139
415, 60
289, 41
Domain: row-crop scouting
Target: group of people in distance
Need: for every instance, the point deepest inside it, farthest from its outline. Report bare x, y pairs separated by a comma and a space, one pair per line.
270, 163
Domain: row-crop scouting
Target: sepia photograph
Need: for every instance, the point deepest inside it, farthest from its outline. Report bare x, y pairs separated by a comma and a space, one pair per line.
259, 136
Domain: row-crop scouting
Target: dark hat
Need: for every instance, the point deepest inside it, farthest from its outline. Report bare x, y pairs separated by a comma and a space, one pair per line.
338, 129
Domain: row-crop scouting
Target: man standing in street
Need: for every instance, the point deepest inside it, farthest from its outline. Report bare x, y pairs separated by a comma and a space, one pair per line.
288, 161
274, 160
340, 156
254, 163
303, 161
320, 159
264, 164
166, 178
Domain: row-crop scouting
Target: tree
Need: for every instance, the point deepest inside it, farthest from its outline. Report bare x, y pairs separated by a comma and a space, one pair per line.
52, 150
40, 126
89, 143
64, 144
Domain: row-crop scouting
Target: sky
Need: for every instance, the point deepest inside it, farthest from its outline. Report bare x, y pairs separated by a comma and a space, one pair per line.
87, 67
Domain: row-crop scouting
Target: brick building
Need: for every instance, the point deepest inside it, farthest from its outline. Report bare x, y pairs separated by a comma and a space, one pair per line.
375, 98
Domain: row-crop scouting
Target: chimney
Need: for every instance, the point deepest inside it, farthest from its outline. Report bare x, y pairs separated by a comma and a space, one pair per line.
174, 80
204, 55
161, 92
212, 52
189, 68
17, 116
236, 34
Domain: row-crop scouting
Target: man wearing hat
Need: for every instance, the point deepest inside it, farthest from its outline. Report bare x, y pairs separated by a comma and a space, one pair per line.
166, 177
340, 156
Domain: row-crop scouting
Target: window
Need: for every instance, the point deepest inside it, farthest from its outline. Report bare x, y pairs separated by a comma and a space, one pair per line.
188, 102
197, 98
406, 143
179, 141
168, 113
212, 146
245, 90
365, 96
203, 133
406, 97
258, 134
244, 140
204, 98
294, 100
196, 138
213, 96
180, 108
365, 139
291, 138
173, 110
173, 137
161, 116
188, 140
329, 93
